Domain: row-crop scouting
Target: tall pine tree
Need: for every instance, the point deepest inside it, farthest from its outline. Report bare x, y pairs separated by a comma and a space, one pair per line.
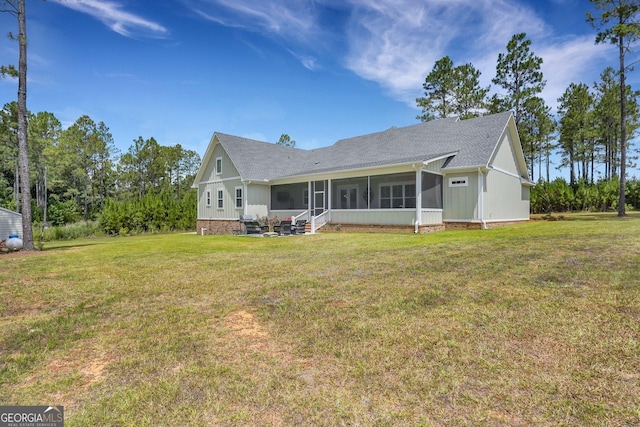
518, 73
618, 25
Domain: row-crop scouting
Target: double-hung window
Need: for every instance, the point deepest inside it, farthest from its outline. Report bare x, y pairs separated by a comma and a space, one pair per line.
398, 195
220, 199
239, 198
208, 198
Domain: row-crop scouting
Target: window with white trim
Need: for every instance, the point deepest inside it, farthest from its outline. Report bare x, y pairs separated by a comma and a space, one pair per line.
460, 181
239, 202
208, 198
219, 166
220, 199
398, 195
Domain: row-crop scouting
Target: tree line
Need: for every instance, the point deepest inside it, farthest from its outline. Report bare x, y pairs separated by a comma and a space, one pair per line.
77, 173
601, 196
594, 122
586, 131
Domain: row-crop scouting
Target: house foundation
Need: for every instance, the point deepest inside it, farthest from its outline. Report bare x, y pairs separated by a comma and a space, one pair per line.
450, 226
217, 226
478, 225
222, 226
380, 228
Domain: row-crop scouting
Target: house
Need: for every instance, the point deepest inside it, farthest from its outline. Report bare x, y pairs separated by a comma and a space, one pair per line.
10, 223
441, 174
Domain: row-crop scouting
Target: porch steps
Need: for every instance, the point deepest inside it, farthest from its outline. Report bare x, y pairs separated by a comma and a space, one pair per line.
307, 228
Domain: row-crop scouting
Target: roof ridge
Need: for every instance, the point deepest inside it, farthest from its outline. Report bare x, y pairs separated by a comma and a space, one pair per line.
261, 160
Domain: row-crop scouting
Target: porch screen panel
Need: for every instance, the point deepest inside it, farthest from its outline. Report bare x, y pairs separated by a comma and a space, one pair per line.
290, 196
410, 196
350, 193
394, 191
431, 191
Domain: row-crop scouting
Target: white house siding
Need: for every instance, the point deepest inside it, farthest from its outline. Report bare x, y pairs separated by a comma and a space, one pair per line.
226, 181
228, 169
374, 216
10, 223
435, 167
505, 157
505, 198
431, 216
229, 210
259, 197
460, 203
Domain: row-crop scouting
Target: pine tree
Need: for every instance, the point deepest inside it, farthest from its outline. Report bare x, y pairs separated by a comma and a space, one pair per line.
618, 25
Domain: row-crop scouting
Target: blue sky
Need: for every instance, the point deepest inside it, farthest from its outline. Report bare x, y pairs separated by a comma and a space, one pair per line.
178, 70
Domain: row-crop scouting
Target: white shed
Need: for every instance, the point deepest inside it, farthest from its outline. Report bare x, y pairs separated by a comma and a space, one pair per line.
10, 223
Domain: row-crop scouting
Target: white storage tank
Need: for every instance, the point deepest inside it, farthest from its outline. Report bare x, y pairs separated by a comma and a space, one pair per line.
14, 242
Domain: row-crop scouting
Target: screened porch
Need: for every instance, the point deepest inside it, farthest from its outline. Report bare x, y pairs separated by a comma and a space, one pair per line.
371, 199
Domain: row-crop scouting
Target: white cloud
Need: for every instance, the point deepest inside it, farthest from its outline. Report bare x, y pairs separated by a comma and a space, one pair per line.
397, 43
113, 16
291, 19
308, 62
575, 60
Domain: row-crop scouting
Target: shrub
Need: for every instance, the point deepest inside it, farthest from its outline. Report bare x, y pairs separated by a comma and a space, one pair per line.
559, 196
77, 230
153, 213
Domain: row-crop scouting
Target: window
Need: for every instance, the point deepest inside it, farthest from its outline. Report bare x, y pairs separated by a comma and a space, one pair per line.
460, 181
208, 197
219, 166
397, 196
220, 199
238, 197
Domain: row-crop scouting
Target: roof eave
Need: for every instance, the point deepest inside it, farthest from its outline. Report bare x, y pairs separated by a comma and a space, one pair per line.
205, 160
527, 182
472, 168
444, 156
413, 163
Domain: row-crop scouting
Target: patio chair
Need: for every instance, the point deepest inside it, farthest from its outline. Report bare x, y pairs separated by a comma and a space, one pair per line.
284, 229
298, 227
252, 227
243, 220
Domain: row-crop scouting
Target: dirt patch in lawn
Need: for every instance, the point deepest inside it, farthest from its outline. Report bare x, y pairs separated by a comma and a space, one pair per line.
244, 324
88, 362
249, 333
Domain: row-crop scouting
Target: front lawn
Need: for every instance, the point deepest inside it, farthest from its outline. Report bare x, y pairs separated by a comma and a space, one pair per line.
532, 324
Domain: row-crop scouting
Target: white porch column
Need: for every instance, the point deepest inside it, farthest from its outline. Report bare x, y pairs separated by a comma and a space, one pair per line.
309, 202
245, 197
328, 193
418, 198
481, 198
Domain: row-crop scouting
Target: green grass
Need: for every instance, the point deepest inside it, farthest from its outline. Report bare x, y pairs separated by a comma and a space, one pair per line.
532, 324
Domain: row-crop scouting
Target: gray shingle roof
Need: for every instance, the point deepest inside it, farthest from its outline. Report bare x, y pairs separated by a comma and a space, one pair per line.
259, 161
473, 141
